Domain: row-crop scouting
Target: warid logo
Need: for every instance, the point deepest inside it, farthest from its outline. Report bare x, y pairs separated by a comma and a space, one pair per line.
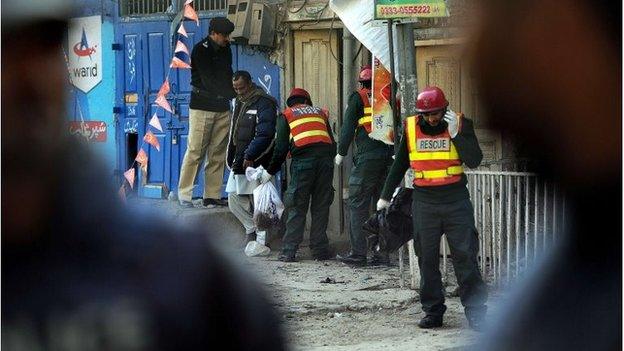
84, 37
82, 48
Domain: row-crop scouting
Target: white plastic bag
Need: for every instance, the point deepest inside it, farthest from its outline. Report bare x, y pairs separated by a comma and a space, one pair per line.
268, 206
254, 248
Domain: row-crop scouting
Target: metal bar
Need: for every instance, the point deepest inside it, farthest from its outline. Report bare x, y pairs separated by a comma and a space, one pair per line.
517, 226
505, 173
413, 264
401, 268
535, 219
545, 224
482, 232
527, 188
492, 226
500, 229
554, 216
444, 266
508, 234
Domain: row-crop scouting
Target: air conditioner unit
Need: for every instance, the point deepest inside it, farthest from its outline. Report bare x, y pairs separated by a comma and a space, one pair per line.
231, 10
242, 21
262, 25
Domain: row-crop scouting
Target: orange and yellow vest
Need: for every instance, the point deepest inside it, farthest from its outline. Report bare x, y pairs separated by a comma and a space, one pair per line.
308, 125
366, 119
434, 159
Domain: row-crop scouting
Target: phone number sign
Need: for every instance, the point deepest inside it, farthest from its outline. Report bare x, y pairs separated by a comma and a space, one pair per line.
387, 9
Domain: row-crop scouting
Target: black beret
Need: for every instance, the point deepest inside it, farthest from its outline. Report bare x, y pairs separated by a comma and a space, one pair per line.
221, 25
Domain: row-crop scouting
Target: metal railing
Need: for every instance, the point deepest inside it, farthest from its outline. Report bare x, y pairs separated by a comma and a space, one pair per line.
518, 217
158, 7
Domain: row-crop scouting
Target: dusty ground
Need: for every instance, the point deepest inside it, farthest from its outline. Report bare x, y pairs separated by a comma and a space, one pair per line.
361, 309
330, 306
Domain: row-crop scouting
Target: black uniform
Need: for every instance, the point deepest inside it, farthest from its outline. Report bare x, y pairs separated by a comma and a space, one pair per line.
445, 209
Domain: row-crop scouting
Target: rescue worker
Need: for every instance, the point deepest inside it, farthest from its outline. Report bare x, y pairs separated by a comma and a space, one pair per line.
371, 161
304, 130
435, 144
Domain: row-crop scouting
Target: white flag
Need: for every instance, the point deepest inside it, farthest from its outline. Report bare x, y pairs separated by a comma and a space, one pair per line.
155, 122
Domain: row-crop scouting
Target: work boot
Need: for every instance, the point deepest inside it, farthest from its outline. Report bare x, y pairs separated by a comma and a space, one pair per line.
212, 203
352, 259
287, 257
322, 256
379, 260
430, 321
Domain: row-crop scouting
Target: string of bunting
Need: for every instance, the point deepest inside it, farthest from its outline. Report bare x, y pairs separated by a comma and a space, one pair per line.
161, 101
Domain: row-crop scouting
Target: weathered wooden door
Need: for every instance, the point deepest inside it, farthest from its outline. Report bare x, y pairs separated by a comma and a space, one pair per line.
442, 66
317, 71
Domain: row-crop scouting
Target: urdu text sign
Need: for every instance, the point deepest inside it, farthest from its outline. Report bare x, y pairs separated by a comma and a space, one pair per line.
387, 9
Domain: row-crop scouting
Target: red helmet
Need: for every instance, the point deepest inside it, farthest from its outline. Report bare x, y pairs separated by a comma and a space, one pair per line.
298, 92
431, 99
366, 73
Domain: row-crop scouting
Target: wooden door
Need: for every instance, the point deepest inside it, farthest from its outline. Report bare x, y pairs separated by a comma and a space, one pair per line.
442, 66
317, 71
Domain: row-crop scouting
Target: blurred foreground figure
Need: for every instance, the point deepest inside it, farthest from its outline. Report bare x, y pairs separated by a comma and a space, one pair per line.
550, 76
78, 272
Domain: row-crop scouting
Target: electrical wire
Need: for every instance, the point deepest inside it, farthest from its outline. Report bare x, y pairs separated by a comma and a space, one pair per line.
331, 29
299, 9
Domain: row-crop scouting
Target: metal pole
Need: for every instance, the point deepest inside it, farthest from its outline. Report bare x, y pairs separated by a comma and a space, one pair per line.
393, 88
347, 87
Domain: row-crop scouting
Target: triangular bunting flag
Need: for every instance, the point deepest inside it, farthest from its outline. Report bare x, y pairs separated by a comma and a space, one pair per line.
155, 122
189, 12
122, 193
151, 139
181, 30
164, 88
162, 102
180, 47
129, 175
142, 159
177, 63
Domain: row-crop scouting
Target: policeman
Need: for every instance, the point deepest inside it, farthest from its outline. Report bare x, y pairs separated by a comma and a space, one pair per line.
372, 159
436, 143
304, 130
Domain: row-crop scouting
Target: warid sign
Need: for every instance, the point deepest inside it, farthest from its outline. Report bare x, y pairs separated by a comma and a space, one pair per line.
84, 39
386, 9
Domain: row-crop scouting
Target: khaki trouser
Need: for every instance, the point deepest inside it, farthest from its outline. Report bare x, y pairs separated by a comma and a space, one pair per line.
207, 140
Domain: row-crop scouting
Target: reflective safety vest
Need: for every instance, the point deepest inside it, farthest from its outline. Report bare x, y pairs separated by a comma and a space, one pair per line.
367, 119
308, 125
434, 159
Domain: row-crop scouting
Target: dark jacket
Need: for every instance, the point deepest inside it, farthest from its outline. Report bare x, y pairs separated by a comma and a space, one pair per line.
252, 132
211, 77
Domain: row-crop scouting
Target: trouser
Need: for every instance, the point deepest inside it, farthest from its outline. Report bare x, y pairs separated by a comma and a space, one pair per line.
365, 183
241, 207
456, 221
310, 186
207, 141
